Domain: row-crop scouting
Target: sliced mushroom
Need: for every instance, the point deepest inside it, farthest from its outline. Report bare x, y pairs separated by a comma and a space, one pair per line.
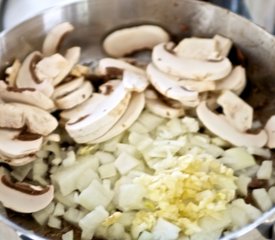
84, 109
198, 48
198, 86
169, 87
17, 162
27, 78
48, 68
132, 113
72, 56
67, 87
23, 197
54, 38
11, 147
109, 65
235, 81
270, 129
75, 97
219, 126
189, 68
25, 95
128, 40
80, 71
17, 116
99, 122
155, 105
134, 81
12, 73
224, 45
108, 87
236, 111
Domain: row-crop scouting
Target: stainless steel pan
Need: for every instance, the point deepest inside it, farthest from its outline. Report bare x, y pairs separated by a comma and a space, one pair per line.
95, 18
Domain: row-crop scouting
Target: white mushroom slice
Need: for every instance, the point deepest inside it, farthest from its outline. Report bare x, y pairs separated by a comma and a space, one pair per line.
270, 129
99, 122
236, 111
134, 81
128, 40
67, 87
169, 87
76, 97
84, 109
11, 147
235, 81
155, 105
72, 56
189, 68
50, 67
17, 162
132, 113
55, 37
224, 45
27, 78
17, 115
218, 125
198, 48
107, 64
25, 95
23, 197
108, 87
12, 73
80, 70
198, 86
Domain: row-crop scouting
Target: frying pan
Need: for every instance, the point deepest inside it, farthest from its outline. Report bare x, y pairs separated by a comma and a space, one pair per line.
95, 18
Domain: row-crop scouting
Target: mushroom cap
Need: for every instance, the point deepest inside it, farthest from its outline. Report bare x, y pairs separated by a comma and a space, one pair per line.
105, 64
75, 97
270, 129
169, 86
17, 115
23, 197
132, 113
12, 147
54, 38
135, 82
25, 95
218, 125
235, 81
99, 122
236, 110
155, 105
134, 39
187, 68
27, 78
84, 109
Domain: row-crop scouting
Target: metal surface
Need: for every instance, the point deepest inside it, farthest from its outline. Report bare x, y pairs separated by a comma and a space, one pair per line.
94, 19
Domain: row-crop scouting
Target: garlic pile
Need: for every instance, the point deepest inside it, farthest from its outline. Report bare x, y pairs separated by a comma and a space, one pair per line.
141, 168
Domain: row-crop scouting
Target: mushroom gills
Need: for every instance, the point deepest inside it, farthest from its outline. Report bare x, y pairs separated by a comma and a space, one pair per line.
25, 95
11, 147
27, 78
219, 126
132, 113
105, 64
186, 68
236, 111
23, 197
134, 39
108, 113
235, 81
169, 87
54, 38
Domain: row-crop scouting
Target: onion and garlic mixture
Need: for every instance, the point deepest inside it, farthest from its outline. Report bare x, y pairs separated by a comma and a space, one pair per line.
124, 150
